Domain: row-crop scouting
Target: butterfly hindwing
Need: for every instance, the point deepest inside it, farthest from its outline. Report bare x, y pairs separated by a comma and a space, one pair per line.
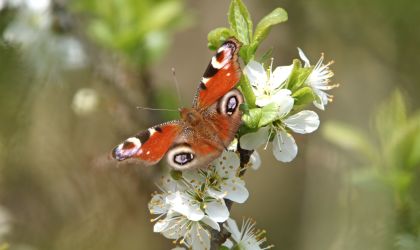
221, 75
225, 115
192, 149
149, 145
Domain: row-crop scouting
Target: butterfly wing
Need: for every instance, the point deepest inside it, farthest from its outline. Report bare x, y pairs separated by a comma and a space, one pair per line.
197, 146
225, 116
149, 145
221, 75
193, 149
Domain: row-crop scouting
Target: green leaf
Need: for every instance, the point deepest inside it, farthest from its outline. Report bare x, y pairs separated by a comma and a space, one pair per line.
303, 97
252, 117
400, 180
223, 248
414, 156
349, 138
391, 115
240, 21
277, 16
269, 114
217, 36
402, 147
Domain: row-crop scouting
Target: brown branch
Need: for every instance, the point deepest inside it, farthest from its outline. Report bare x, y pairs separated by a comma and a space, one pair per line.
218, 238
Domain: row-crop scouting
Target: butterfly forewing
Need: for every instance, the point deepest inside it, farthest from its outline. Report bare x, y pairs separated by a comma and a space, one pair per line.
221, 75
149, 145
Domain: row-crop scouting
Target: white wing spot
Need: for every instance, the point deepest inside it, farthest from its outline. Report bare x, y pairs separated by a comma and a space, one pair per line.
152, 131
216, 64
204, 80
228, 74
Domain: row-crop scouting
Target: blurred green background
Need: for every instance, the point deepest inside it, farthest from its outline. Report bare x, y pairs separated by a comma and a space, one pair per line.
73, 72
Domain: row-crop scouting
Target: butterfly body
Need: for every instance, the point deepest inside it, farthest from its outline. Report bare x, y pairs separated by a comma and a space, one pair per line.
204, 130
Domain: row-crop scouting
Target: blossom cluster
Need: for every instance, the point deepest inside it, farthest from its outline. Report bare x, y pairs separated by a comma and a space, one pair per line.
277, 92
192, 202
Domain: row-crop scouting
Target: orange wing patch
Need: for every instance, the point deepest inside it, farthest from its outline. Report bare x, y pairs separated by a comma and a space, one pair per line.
221, 75
161, 138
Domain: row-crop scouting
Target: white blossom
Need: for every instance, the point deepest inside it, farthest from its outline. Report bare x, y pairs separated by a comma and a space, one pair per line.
267, 85
194, 234
319, 80
248, 238
284, 145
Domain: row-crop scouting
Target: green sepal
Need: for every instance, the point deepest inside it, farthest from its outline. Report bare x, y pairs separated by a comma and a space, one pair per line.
303, 97
217, 36
252, 118
244, 108
269, 114
293, 78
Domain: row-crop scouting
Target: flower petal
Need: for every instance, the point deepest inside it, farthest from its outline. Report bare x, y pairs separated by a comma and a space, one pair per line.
232, 227
304, 122
182, 204
264, 100
216, 194
254, 140
236, 190
160, 226
217, 210
256, 74
212, 223
193, 177
255, 160
228, 243
227, 164
157, 204
321, 100
167, 184
200, 237
284, 100
279, 76
284, 147
304, 58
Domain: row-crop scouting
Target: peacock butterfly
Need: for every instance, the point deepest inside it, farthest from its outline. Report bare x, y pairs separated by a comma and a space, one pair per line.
204, 130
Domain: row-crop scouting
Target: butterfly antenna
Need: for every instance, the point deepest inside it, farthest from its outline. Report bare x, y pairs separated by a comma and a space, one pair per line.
177, 86
155, 109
